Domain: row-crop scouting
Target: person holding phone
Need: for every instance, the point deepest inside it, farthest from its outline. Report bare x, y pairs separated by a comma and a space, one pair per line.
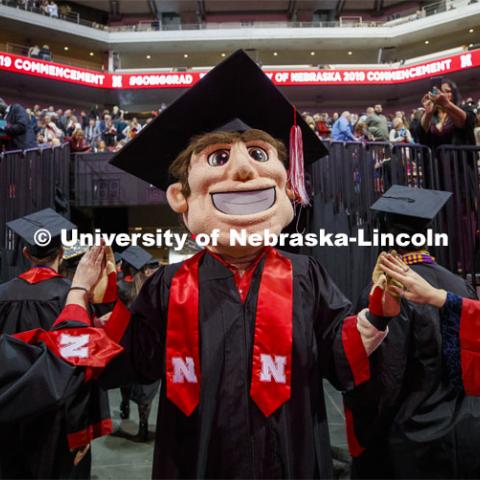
444, 122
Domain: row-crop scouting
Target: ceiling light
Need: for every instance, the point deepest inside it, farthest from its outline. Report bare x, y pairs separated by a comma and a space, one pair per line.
224, 54
65, 48
185, 55
471, 30
426, 42
275, 54
92, 54
312, 53
148, 57
350, 52
470, 45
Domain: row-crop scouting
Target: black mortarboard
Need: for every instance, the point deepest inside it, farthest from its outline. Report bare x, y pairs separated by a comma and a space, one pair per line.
49, 220
410, 209
117, 256
136, 257
234, 95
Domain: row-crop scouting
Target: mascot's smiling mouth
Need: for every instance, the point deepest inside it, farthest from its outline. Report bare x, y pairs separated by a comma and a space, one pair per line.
244, 203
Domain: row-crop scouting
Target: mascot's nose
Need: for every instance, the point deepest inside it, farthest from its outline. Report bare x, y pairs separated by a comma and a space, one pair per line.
242, 169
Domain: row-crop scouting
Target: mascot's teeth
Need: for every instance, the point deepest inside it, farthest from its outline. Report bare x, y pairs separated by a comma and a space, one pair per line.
244, 203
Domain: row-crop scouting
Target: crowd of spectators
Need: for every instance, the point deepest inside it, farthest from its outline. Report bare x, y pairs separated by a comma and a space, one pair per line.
109, 130
93, 131
372, 125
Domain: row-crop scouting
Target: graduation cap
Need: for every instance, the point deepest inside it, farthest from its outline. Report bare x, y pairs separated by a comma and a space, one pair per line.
136, 257
410, 210
49, 220
234, 96
118, 257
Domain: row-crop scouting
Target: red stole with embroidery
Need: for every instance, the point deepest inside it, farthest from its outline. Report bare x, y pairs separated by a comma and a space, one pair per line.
272, 348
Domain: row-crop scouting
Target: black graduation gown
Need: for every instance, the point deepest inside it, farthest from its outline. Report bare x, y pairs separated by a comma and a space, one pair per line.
227, 435
139, 393
411, 420
25, 306
34, 437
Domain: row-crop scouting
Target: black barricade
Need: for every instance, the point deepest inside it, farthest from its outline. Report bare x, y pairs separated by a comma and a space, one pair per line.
345, 183
30, 180
97, 183
459, 174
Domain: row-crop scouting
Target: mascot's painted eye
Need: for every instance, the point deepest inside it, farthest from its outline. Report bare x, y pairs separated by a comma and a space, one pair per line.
218, 157
258, 154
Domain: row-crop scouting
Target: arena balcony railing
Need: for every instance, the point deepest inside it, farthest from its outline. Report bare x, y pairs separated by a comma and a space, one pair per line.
18, 49
344, 21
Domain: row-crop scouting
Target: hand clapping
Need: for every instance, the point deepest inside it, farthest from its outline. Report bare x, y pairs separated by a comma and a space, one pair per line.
416, 289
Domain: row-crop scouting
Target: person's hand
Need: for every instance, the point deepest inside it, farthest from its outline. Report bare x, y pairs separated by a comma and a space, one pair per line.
382, 302
81, 452
427, 103
439, 98
89, 268
105, 290
416, 289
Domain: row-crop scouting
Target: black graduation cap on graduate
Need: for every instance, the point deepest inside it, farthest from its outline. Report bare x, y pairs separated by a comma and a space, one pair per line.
136, 257
409, 209
234, 96
47, 219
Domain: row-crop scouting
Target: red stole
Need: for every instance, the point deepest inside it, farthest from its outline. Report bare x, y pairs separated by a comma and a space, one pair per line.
272, 350
38, 274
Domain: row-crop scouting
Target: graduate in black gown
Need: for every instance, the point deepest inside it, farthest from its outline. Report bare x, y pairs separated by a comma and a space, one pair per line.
135, 261
241, 337
410, 421
36, 297
44, 445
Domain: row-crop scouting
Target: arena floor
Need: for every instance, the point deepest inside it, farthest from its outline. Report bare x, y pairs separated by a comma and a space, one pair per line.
117, 458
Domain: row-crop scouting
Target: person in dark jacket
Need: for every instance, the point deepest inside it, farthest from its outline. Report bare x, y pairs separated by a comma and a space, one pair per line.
18, 127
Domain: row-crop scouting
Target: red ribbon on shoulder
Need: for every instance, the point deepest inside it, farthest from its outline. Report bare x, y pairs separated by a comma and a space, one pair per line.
38, 274
272, 351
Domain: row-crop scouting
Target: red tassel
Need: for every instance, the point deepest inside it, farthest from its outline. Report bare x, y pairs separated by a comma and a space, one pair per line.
296, 175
